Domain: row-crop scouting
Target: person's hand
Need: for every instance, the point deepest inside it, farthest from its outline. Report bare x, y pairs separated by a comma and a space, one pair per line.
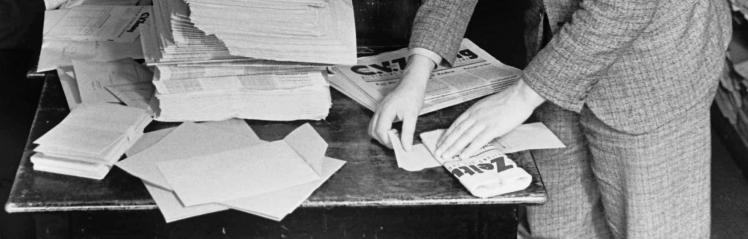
487, 119
404, 103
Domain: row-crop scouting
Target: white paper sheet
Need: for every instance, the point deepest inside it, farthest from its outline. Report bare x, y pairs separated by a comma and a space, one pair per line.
417, 159
69, 86
186, 141
147, 140
56, 53
92, 77
235, 174
524, 137
95, 23
274, 205
234, 126
137, 95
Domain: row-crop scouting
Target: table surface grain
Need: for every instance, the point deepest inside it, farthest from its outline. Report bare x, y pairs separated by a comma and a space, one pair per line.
370, 177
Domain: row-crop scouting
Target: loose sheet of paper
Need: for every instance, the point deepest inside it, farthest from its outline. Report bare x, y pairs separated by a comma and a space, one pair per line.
235, 174
278, 204
94, 76
56, 53
137, 95
186, 141
75, 3
235, 126
525, 137
417, 159
69, 86
95, 23
147, 140
274, 205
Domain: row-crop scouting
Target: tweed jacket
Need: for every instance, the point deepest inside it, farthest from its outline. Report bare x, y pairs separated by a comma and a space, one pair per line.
634, 63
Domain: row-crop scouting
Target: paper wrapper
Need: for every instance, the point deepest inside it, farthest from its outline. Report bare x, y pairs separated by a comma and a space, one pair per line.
489, 174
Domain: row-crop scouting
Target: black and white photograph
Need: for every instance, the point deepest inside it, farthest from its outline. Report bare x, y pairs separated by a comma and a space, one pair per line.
405, 119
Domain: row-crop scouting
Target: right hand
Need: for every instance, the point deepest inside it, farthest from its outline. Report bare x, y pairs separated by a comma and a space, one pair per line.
404, 102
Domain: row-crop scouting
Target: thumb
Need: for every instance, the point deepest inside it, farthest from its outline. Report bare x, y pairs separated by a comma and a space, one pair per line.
406, 135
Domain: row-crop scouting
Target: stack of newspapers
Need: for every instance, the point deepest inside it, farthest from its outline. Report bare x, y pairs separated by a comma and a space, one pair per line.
90, 140
474, 74
249, 59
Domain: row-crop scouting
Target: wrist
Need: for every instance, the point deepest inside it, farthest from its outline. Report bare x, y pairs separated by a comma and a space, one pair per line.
529, 95
417, 72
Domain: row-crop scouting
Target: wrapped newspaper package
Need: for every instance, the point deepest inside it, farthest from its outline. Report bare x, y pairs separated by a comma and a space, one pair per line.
489, 173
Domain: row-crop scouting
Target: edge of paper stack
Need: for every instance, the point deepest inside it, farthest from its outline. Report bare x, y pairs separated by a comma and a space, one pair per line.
215, 60
89, 140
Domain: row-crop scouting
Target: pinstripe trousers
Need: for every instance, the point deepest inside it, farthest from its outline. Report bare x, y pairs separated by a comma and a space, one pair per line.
612, 184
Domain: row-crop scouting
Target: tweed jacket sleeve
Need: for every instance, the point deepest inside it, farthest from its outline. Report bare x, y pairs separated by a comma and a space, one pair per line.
440, 25
598, 31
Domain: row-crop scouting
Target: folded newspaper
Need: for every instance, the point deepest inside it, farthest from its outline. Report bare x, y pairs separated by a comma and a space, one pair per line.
474, 74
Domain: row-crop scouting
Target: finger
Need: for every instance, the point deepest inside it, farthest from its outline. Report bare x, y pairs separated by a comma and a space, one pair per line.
463, 140
408, 129
451, 128
373, 125
384, 124
481, 140
452, 136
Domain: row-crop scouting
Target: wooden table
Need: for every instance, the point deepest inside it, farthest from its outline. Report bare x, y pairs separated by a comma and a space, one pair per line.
368, 196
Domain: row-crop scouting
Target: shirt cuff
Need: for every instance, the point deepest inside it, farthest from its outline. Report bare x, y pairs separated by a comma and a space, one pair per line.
427, 53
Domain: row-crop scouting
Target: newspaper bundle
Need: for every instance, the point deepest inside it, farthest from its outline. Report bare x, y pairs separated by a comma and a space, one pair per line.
214, 60
474, 74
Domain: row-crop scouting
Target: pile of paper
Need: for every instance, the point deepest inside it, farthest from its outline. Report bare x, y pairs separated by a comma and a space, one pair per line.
316, 31
92, 31
246, 59
474, 74
196, 169
89, 140
281, 97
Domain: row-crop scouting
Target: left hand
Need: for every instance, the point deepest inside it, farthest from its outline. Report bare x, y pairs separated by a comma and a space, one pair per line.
487, 119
